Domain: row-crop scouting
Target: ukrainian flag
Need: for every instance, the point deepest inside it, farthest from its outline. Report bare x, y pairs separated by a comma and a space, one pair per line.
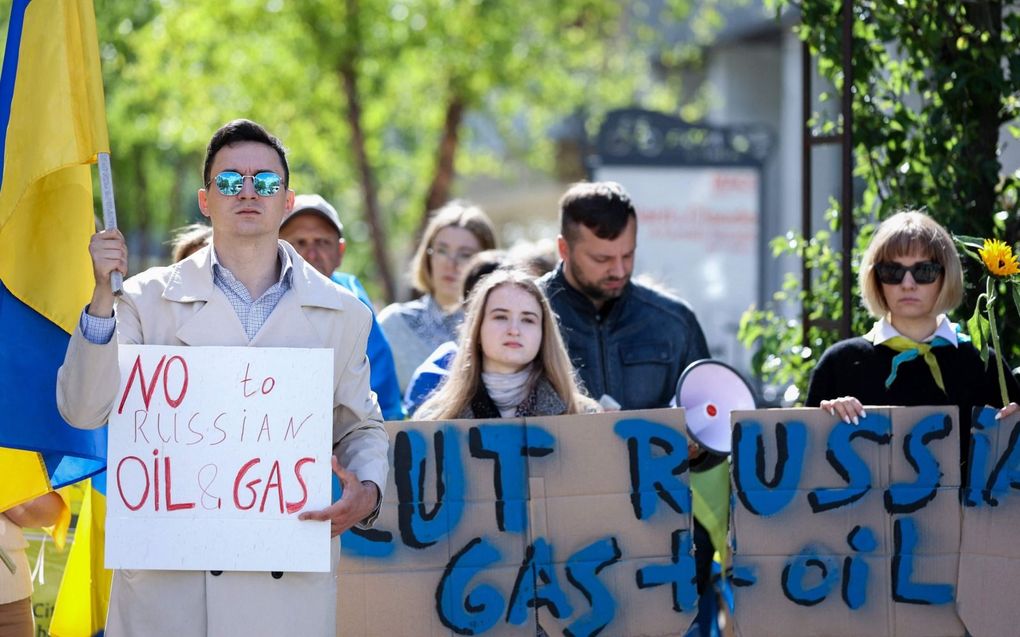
84, 596
53, 122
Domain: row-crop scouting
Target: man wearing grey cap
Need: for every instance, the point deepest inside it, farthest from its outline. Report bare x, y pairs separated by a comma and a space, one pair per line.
314, 229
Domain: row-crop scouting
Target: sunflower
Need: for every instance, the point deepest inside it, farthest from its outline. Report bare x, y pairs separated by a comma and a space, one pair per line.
999, 258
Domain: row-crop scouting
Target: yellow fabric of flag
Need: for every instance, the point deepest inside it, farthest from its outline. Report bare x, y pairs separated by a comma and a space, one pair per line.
56, 128
25, 477
59, 529
84, 596
710, 491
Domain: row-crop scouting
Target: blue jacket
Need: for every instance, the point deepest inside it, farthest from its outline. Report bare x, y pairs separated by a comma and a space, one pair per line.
429, 375
635, 349
384, 372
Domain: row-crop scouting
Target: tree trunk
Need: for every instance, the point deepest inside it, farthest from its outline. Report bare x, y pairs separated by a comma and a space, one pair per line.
349, 79
442, 181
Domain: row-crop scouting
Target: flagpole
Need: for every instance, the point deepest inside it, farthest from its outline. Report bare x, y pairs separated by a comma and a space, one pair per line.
8, 562
109, 212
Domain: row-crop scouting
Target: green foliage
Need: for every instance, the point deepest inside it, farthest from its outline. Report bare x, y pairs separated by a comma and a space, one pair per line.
784, 355
934, 81
998, 261
174, 71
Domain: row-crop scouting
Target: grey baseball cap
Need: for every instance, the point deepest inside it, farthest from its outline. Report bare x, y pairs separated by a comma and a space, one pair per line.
315, 204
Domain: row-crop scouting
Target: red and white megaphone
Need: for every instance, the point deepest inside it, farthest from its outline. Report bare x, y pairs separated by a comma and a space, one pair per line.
709, 391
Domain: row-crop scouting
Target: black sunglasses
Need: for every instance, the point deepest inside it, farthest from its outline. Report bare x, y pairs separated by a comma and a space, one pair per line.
923, 273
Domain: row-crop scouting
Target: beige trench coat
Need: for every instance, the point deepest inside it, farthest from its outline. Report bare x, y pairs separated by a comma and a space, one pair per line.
180, 305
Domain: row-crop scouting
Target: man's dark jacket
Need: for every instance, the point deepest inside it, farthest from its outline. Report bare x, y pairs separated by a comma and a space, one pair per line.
635, 349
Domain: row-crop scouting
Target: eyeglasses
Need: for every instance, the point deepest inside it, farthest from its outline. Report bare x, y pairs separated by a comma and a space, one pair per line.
230, 183
923, 273
460, 258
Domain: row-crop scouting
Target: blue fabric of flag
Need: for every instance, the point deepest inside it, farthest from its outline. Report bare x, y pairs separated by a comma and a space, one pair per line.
53, 122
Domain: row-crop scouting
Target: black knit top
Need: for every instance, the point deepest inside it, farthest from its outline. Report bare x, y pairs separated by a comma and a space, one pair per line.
856, 367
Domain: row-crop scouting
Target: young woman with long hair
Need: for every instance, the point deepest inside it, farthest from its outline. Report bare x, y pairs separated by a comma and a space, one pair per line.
511, 360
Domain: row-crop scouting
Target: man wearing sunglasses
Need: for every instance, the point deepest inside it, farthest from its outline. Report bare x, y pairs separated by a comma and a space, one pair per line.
247, 289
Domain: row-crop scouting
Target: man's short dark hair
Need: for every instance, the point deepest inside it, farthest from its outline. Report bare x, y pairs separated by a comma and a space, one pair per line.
603, 207
235, 132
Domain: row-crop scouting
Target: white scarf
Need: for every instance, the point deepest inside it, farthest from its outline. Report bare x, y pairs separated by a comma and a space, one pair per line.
507, 391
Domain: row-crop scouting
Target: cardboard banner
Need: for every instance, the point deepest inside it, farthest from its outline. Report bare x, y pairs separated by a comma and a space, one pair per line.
844, 529
577, 524
213, 452
989, 552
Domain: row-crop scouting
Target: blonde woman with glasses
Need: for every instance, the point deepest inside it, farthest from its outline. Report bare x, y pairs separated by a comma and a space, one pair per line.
456, 232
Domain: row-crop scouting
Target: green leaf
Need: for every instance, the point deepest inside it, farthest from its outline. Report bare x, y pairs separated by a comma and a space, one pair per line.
970, 242
979, 330
1016, 296
971, 253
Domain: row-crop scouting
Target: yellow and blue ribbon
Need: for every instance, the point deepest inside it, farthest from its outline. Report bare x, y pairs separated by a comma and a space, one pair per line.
909, 350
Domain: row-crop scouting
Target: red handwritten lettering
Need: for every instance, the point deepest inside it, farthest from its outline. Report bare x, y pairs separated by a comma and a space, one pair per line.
294, 507
120, 483
268, 383
273, 483
175, 402
269, 380
291, 431
201, 436
219, 429
244, 382
265, 429
170, 504
237, 483
205, 482
139, 425
159, 428
136, 372
155, 478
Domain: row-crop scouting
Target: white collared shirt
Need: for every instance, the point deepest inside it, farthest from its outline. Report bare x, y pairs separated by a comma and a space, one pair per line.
252, 313
884, 330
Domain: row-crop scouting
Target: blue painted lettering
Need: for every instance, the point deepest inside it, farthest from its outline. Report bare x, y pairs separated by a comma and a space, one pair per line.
679, 573
538, 566
799, 569
905, 539
848, 464
582, 570
510, 446
907, 498
419, 526
855, 569
758, 494
658, 460
481, 608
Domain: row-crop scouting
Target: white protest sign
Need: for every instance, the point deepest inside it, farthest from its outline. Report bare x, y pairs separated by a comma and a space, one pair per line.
213, 453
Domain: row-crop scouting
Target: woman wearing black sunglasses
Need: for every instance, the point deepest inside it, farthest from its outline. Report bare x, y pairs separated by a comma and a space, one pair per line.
910, 276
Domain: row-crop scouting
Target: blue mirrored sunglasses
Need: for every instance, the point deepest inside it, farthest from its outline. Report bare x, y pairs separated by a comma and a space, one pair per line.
230, 183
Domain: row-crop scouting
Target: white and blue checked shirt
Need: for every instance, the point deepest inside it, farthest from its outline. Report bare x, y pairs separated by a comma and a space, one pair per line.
251, 312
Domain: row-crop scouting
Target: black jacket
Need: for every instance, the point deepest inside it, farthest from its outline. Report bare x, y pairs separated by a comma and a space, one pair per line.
635, 349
